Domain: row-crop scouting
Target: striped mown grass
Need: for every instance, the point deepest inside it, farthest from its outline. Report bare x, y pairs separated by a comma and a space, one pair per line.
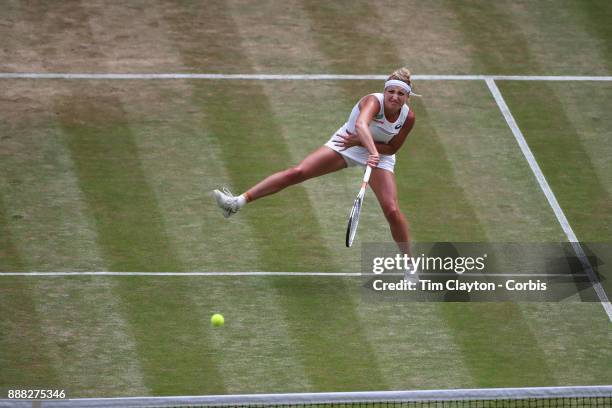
487, 358
440, 37
23, 362
132, 237
114, 176
572, 160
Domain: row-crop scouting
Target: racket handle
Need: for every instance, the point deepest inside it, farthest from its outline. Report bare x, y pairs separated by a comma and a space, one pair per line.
366, 175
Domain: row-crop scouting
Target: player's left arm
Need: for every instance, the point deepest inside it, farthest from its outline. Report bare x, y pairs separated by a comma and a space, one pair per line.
398, 140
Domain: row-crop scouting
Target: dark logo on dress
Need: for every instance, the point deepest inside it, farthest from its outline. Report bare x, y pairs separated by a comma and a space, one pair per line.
398, 126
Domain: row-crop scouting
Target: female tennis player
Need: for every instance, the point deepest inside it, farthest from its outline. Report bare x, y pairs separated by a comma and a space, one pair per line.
376, 129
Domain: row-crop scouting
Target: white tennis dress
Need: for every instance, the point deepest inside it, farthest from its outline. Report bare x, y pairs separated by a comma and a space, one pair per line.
382, 132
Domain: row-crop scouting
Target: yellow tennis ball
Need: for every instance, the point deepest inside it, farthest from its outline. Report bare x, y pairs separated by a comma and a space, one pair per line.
217, 320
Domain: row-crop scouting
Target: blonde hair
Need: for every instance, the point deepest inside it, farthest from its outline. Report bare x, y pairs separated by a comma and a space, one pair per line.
402, 74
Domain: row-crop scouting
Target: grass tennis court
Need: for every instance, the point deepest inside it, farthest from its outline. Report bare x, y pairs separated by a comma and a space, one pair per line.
115, 175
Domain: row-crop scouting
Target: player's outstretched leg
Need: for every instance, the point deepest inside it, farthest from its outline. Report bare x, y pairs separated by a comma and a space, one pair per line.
322, 161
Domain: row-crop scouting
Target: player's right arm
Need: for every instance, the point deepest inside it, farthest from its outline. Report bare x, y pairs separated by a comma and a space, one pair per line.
368, 108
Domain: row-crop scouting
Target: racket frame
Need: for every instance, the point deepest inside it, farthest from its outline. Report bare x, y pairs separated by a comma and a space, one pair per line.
353, 222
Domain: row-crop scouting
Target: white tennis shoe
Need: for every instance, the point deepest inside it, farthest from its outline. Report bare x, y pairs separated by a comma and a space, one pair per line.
411, 273
227, 202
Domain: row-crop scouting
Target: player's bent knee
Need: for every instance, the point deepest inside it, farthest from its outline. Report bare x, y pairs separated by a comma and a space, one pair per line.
295, 175
393, 214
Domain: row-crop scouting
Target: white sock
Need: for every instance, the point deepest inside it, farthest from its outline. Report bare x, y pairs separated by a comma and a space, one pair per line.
241, 201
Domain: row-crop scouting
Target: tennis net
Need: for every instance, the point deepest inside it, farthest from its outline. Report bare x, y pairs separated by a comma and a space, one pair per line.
537, 397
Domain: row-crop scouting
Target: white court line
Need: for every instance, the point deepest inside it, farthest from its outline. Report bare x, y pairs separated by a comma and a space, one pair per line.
67, 75
98, 273
550, 196
294, 274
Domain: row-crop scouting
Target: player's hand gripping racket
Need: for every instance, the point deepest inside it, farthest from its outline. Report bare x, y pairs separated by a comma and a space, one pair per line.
351, 230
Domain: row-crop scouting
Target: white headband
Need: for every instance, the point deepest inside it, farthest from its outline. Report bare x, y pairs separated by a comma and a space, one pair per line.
401, 84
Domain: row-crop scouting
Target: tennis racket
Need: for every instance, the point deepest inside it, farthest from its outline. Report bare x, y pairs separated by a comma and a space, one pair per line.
351, 230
